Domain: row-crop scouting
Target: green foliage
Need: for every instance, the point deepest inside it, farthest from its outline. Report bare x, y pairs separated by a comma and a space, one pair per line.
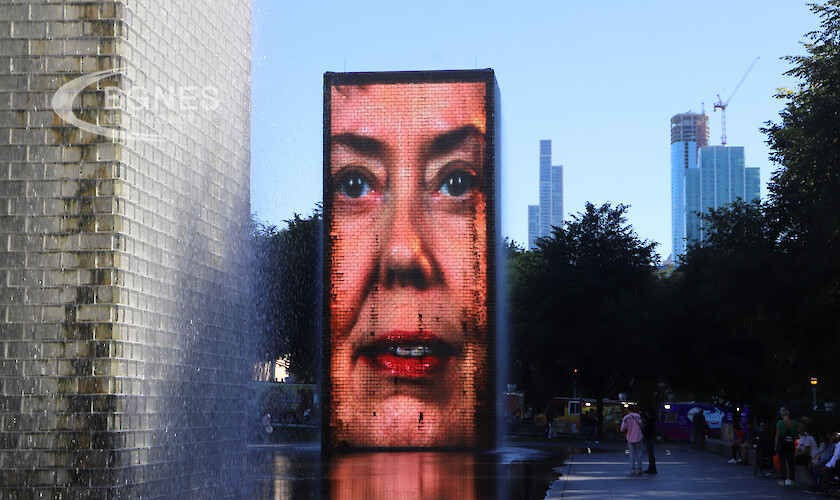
805, 191
806, 143
728, 303
578, 302
287, 292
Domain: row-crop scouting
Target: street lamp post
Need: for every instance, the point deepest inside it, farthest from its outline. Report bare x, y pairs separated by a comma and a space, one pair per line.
814, 387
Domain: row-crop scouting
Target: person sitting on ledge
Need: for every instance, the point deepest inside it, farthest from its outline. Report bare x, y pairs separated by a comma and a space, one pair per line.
822, 460
806, 448
740, 437
750, 441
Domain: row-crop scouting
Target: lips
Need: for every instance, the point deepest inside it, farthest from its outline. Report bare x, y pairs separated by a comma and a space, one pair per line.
406, 354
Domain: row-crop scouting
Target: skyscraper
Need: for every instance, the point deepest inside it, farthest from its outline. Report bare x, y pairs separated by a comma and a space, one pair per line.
703, 178
724, 179
550, 210
689, 131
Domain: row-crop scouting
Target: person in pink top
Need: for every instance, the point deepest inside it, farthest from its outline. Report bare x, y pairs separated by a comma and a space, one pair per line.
631, 425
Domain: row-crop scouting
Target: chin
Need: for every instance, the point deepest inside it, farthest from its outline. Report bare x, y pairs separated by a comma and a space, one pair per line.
403, 421
397, 424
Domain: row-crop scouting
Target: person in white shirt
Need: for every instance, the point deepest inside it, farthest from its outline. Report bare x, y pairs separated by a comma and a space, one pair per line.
807, 447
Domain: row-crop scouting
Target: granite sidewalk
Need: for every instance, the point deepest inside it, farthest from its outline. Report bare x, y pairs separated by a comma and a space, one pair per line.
683, 473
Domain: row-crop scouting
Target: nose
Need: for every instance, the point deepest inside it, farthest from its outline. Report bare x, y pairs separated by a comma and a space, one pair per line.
408, 259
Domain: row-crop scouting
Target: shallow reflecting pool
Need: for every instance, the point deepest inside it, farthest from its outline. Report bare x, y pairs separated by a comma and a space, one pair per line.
287, 472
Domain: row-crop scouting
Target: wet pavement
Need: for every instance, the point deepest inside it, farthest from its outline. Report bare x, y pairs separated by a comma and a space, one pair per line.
682, 473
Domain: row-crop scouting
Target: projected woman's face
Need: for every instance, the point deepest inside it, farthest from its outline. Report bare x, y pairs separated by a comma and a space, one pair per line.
408, 291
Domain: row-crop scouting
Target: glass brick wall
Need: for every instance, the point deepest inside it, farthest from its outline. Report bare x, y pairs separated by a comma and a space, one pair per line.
122, 220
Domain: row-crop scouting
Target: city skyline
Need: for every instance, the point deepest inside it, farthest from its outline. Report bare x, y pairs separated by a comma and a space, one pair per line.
549, 212
604, 100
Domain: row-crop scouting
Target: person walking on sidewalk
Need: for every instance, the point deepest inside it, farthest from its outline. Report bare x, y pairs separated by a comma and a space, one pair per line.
700, 429
550, 415
649, 432
631, 424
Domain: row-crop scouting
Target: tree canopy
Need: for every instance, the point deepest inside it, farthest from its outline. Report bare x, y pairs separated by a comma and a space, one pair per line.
287, 293
577, 301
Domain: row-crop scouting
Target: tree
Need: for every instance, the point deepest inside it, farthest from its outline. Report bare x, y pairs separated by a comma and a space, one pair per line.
730, 307
805, 191
580, 302
531, 360
287, 292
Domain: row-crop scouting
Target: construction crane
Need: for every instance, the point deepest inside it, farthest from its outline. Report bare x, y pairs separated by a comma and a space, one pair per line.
722, 105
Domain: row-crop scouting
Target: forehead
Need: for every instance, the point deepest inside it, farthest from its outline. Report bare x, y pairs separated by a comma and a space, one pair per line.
380, 110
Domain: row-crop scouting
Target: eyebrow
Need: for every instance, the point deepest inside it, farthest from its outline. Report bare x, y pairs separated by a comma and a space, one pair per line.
449, 141
364, 145
439, 146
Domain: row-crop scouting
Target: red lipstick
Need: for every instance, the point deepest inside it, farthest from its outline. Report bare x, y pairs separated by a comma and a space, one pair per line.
406, 354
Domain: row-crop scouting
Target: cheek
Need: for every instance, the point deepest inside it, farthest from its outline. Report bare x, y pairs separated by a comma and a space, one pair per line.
354, 250
462, 254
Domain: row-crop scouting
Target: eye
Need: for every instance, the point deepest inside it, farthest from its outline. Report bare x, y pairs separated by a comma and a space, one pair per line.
354, 185
457, 183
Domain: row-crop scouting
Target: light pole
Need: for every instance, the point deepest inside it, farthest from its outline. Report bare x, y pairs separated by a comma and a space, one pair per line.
814, 387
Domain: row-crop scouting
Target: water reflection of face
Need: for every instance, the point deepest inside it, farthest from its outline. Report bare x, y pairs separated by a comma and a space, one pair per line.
408, 316
388, 476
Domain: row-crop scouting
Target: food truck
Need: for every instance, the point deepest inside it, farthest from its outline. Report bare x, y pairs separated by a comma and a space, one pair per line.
568, 410
676, 420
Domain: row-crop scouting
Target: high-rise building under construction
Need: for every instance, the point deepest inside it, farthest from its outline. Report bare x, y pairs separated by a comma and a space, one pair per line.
703, 177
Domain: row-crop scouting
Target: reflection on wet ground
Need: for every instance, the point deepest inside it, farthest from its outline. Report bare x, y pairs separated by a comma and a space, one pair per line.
295, 472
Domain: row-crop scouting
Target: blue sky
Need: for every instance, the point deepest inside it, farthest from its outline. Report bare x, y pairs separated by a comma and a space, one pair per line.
600, 79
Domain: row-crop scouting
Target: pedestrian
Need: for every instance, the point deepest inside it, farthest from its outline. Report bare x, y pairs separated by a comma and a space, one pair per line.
700, 429
550, 415
591, 425
785, 446
649, 432
631, 425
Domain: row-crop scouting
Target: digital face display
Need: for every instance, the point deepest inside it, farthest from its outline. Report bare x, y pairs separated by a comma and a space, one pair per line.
408, 192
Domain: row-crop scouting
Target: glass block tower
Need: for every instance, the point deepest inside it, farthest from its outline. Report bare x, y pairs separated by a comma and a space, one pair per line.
124, 187
550, 210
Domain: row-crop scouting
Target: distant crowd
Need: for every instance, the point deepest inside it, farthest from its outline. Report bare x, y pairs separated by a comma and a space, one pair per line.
791, 445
